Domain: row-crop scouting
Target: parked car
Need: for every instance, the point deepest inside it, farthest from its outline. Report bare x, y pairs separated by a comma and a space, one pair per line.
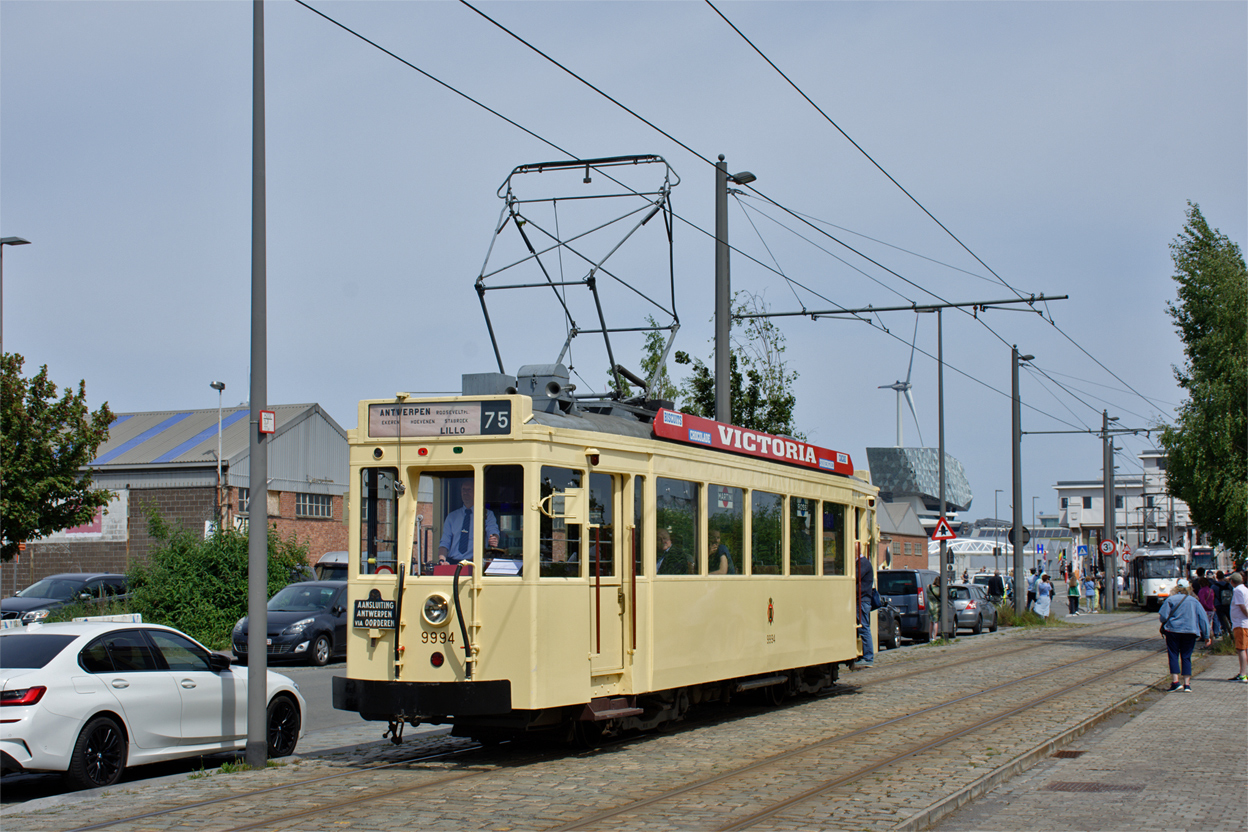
972, 607
906, 590
332, 566
35, 602
306, 622
90, 698
888, 622
1007, 580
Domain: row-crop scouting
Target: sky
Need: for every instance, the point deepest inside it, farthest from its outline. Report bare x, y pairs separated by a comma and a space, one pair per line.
1058, 142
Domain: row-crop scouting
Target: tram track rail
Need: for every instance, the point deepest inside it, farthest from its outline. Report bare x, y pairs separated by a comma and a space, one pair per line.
457, 779
876, 766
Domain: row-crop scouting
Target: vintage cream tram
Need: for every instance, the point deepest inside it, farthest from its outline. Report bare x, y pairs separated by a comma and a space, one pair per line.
526, 562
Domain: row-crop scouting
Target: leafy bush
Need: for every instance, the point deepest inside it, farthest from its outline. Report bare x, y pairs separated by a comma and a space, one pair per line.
200, 586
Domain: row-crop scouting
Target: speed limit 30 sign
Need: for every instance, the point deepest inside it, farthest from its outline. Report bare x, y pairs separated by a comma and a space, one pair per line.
1107, 547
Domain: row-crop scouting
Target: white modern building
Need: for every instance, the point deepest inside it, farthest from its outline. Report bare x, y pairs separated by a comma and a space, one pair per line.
1143, 512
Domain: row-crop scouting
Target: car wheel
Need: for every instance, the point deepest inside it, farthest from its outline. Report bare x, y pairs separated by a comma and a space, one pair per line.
283, 726
99, 755
895, 641
979, 626
995, 624
320, 652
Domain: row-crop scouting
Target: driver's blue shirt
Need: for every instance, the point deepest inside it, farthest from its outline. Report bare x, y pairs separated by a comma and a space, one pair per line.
457, 533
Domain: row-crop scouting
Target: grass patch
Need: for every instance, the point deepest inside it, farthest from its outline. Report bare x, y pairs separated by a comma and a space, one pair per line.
1224, 646
234, 766
1007, 617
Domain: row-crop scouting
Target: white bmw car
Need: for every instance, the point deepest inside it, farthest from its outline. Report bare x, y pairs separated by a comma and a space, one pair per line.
89, 698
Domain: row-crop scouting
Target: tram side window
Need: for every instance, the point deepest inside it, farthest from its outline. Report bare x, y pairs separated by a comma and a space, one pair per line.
801, 536
559, 540
725, 508
639, 491
676, 527
766, 533
602, 525
379, 509
833, 539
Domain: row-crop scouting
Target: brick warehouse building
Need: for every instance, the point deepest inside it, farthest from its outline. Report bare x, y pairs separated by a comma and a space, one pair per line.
168, 460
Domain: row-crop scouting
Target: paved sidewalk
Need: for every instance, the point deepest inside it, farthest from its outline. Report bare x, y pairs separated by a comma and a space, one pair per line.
1181, 763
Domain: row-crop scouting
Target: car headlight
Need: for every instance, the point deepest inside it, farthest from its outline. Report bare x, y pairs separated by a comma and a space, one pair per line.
34, 615
238, 628
437, 610
298, 627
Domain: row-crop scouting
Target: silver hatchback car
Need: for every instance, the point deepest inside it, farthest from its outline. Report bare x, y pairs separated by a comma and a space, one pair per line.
972, 607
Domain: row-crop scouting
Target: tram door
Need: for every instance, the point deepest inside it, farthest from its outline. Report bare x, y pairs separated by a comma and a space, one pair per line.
606, 589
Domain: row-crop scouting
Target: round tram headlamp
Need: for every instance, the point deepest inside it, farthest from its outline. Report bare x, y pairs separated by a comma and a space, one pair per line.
378, 453
437, 610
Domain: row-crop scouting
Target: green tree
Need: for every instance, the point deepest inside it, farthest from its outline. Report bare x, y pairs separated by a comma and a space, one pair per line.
760, 383
651, 356
199, 585
45, 445
1207, 461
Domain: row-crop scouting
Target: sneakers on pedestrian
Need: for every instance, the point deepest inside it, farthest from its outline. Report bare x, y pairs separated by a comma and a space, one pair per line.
1243, 677
865, 665
1187, 688
1174, 686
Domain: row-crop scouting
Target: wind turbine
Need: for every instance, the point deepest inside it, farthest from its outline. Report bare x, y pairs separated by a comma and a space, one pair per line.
903, 389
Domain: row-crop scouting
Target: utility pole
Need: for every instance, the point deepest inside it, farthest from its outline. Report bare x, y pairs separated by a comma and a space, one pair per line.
948, 627
723, 290
1016, 533
1109, 560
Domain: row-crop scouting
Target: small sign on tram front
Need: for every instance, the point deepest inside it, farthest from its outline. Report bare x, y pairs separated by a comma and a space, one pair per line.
375, 612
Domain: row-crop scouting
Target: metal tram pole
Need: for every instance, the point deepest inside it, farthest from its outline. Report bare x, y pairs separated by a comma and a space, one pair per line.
257, 750
1016, 532
1110, 560
948, 628
723, 290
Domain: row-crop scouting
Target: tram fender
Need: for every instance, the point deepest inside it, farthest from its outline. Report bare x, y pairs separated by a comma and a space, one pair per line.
384, 700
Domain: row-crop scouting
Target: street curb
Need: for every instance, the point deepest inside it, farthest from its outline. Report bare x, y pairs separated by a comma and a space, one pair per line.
1020, 764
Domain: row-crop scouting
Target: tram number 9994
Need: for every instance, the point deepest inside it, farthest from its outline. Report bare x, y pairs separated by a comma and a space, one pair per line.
440, 637
771, 638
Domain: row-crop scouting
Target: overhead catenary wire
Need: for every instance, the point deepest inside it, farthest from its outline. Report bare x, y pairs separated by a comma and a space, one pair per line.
760, 194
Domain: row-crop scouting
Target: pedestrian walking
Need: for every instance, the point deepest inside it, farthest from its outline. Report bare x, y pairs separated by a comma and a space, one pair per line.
1204, 594
933, 607
1239, 624
1072, 592
1182, 621
1044, 596
1223, 592
1089, 591
1031, 588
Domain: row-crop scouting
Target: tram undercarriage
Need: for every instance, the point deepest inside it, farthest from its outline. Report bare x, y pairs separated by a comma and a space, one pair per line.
481, 710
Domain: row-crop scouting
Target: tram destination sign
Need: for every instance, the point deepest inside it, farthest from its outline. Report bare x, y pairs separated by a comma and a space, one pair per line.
694, 430
375, 612
449, 419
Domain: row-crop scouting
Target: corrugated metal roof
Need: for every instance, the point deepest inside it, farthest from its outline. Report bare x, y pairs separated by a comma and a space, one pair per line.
189, 437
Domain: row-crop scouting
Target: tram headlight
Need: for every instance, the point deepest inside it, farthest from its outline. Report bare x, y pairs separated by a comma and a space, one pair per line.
437, 609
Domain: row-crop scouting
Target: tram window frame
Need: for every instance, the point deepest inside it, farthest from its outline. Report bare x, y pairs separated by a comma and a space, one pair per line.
838, 558
553, 479
639, 516
774, 501
681, 518
379, 509
797, 565
505, 484
603, 534
730, 528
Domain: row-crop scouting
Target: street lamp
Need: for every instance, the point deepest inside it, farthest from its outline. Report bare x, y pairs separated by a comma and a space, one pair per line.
219, 386
723, 293
6, 241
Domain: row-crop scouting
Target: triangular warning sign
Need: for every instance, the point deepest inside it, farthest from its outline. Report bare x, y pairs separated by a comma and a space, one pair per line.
943, 532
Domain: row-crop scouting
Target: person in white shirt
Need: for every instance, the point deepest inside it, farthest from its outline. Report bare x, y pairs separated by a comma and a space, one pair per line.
1239, 624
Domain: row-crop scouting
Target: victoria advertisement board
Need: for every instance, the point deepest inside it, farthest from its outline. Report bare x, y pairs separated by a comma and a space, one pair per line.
695, 430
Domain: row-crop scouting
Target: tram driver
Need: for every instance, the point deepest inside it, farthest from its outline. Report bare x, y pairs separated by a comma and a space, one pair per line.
456, 542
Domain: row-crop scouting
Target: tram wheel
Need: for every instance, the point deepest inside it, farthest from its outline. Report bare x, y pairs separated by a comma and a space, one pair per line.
776, 694
587, 734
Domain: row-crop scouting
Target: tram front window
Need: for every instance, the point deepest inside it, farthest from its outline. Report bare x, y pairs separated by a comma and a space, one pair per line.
379, 501
448, 520
1160, 568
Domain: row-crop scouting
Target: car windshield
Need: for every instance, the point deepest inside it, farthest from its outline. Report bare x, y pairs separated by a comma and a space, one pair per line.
30, 649
61, 589
301, 597
897, 583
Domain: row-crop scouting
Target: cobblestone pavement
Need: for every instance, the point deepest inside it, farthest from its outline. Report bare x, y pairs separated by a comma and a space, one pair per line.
532, 787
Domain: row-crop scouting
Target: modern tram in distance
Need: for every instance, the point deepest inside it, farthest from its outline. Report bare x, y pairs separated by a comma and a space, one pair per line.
1153, 576
532, 563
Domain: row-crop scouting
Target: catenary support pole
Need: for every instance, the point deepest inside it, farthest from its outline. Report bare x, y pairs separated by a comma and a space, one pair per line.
723, 298
1016, 435
257, 502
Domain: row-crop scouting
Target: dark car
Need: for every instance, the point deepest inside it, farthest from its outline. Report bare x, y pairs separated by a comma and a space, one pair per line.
906, 589
888, 621
36, 601
307, 622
